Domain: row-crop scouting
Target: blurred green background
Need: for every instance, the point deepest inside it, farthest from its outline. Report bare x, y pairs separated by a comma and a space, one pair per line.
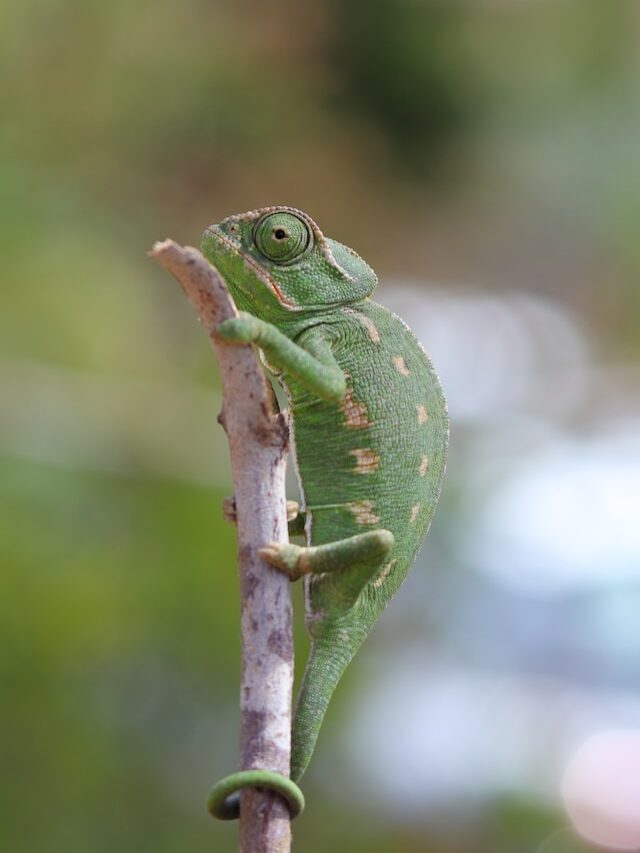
482, 155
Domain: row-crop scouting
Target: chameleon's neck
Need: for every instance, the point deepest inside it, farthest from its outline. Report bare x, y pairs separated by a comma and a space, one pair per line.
292, 322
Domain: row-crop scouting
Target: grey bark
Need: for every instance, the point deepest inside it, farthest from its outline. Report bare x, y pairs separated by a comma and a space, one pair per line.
258, 444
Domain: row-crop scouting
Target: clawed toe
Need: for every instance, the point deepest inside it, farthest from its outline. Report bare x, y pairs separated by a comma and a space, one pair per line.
283, 557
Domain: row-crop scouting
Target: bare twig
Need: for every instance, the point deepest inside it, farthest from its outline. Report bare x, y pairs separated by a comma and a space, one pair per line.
258, 444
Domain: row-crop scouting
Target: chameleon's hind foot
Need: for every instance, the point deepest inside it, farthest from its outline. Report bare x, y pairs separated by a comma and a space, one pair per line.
366, 550
284, 557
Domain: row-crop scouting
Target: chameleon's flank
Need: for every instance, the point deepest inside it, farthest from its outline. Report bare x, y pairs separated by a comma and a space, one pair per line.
370, 435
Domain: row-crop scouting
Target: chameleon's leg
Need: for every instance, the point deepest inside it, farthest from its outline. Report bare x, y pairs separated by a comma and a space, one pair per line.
361, 555
295, 518
312, 365
335, 638
350, 563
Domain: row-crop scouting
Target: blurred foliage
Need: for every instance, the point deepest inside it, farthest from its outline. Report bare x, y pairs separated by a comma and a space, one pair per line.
492, 142
407, 67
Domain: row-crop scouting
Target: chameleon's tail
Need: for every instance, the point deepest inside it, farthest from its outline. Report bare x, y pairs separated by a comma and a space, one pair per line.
331, 653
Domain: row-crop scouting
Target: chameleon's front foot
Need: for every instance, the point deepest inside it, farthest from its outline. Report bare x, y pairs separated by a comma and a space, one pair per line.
362, 554
243, 329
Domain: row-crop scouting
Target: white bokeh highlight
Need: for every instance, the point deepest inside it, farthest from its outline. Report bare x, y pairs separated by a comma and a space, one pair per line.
601, 789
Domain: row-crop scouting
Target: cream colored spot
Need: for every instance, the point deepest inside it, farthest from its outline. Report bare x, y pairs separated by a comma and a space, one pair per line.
369, 325
374, 334
363, 512
367, 461
422, 414
384, 574
356, 414
415, 509
399, 364
424, 464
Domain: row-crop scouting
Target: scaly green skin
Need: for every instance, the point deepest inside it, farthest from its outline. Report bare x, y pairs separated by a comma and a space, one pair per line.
369, 423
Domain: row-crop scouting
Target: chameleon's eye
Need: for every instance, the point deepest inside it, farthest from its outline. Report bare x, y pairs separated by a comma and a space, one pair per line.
282, 237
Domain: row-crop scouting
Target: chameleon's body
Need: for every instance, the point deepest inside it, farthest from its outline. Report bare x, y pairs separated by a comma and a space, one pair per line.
369, 424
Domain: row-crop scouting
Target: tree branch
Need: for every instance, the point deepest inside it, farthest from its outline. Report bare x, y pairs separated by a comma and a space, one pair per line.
258, 445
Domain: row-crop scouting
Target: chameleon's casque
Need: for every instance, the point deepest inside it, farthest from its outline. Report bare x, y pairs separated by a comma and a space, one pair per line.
369, 424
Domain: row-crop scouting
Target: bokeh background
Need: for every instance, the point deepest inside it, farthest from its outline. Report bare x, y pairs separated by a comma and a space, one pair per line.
482, 155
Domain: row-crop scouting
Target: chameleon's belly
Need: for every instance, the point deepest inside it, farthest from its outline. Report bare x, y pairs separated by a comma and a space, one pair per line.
377, 459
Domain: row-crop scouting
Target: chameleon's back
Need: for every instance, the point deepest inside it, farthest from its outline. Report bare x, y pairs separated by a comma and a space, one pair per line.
374, 461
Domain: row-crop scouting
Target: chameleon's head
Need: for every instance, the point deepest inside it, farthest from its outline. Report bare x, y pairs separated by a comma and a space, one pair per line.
277, 259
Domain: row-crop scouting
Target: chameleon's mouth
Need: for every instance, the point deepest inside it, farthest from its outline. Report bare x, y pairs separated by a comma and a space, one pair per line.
228, 245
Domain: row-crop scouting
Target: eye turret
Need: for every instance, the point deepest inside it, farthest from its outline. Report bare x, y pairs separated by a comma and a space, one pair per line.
282, 237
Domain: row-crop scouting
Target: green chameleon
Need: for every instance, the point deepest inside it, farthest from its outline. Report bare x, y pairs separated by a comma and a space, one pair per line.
370, 431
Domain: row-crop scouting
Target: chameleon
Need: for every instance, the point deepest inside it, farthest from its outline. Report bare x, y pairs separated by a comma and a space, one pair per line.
369, 430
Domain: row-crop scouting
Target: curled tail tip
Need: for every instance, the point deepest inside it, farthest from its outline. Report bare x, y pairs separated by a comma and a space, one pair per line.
223, 801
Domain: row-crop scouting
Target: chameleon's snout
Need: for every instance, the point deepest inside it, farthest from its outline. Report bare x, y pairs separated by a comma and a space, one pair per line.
225, 234
220, 241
